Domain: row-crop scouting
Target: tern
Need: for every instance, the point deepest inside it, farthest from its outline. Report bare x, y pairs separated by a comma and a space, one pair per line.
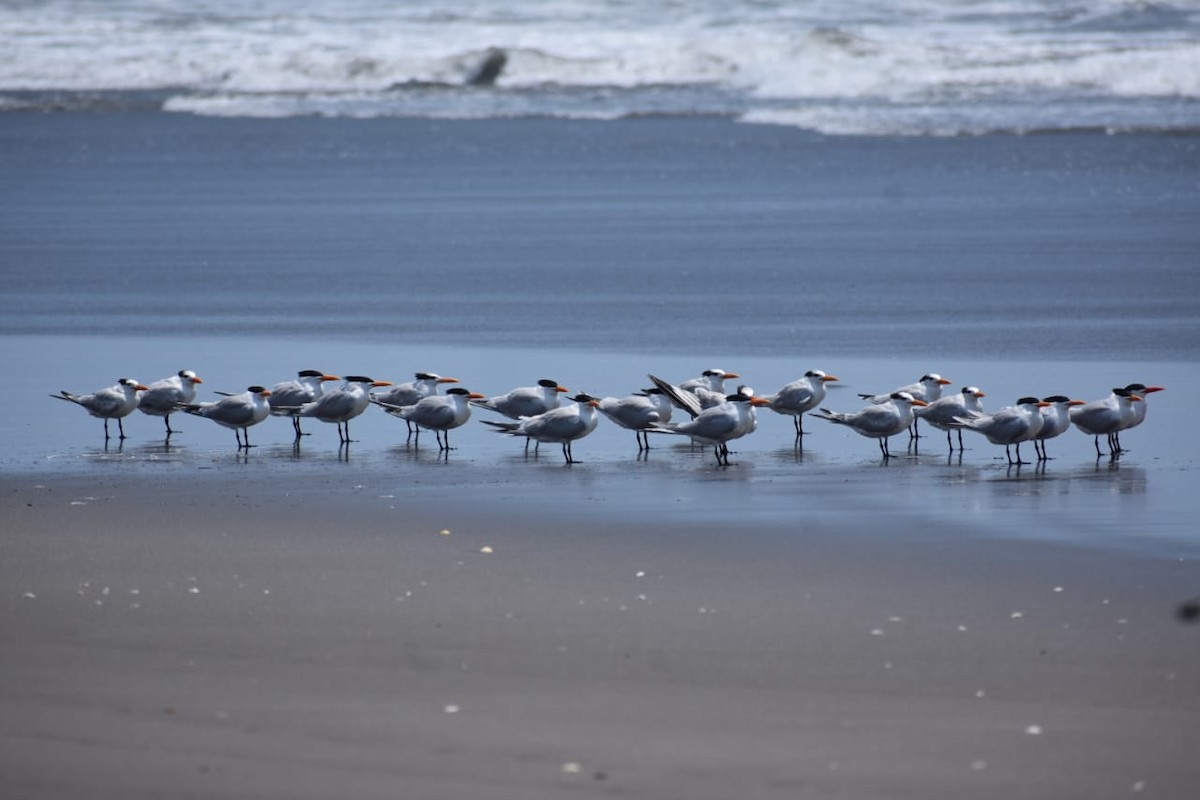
439, 413
525, 401
238, 412
1139, 409
638, 412
562, 425
163, 398
941, 413
1056, 418
342, 404
113, 402
290, 395
878, 421
709, 387
800, 396
928, 388
720, 424
424, 384
1010, 425
1106, 417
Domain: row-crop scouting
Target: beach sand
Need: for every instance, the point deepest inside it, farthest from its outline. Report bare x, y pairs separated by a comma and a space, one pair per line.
168, 637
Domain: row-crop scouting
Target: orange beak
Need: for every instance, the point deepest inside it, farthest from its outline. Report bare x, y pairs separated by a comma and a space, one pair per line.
759, 401
829, 378
265, 393
447, 380
1077, 403
919, 403
729, 375
476, 396
1150, 389
981, 394
330, 378
1044, 404
943, 382
561, 389
141, 388
381, 383
197, 380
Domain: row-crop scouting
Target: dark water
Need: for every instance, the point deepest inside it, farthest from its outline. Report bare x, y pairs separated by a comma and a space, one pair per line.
633, 236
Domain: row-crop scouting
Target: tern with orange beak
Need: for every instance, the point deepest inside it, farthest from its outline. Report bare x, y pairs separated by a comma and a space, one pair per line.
1106, 417
561, 425
799, 396
290, 395
342, 404
439, 413
113, 402
1139, 409
423, 384
942, 412
163, 398
720, 424
879, 421
1010, 425
1056, 418
238, 411
928, 388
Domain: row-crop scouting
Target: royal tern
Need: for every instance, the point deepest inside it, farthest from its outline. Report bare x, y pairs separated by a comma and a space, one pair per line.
928, 388
563, 425
1010, 425
1056, 418
163, 398
439, 413
424, 384
526, 401
113, 402
1106, 417
1139, 409
941, 413
288, 396
342, 404
800, 396
720, 424
709, 387
878, 421
238, 411
638, 412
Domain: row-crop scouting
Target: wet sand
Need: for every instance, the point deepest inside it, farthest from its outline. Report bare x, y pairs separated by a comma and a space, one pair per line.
173, 637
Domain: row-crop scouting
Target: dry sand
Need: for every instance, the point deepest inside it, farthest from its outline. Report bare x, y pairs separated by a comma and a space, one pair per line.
207, 637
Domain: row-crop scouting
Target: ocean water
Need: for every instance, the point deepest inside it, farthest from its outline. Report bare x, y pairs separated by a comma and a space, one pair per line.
502, 251
833, 66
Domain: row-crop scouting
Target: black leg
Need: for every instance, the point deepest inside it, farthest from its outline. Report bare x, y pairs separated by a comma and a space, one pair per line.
167, 420
950, 441
106, 436
960, 444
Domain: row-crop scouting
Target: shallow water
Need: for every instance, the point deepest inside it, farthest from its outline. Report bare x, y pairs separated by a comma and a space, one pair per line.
1143, 501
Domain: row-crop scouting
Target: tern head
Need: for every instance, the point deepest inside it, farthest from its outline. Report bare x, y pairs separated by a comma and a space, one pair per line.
933, 377
820, 375
188, 375
719, 373
133, 384
459, 391
310, 373
973, 391
259, 390
1033, 401
547, 383
1054, 399
586, 399
1143, 389
905, 397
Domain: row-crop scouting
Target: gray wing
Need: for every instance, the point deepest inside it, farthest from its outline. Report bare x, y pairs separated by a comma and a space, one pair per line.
684, 400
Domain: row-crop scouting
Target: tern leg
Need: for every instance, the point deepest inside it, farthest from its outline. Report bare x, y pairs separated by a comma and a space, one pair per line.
106, 436
296, 427
798, 426
960, 444
167, 420
120, 427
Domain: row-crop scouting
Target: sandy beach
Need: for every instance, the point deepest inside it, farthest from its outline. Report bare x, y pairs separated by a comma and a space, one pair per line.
180, 619
182, 638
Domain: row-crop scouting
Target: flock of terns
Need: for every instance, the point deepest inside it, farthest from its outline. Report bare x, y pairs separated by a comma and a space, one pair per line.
715, 417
